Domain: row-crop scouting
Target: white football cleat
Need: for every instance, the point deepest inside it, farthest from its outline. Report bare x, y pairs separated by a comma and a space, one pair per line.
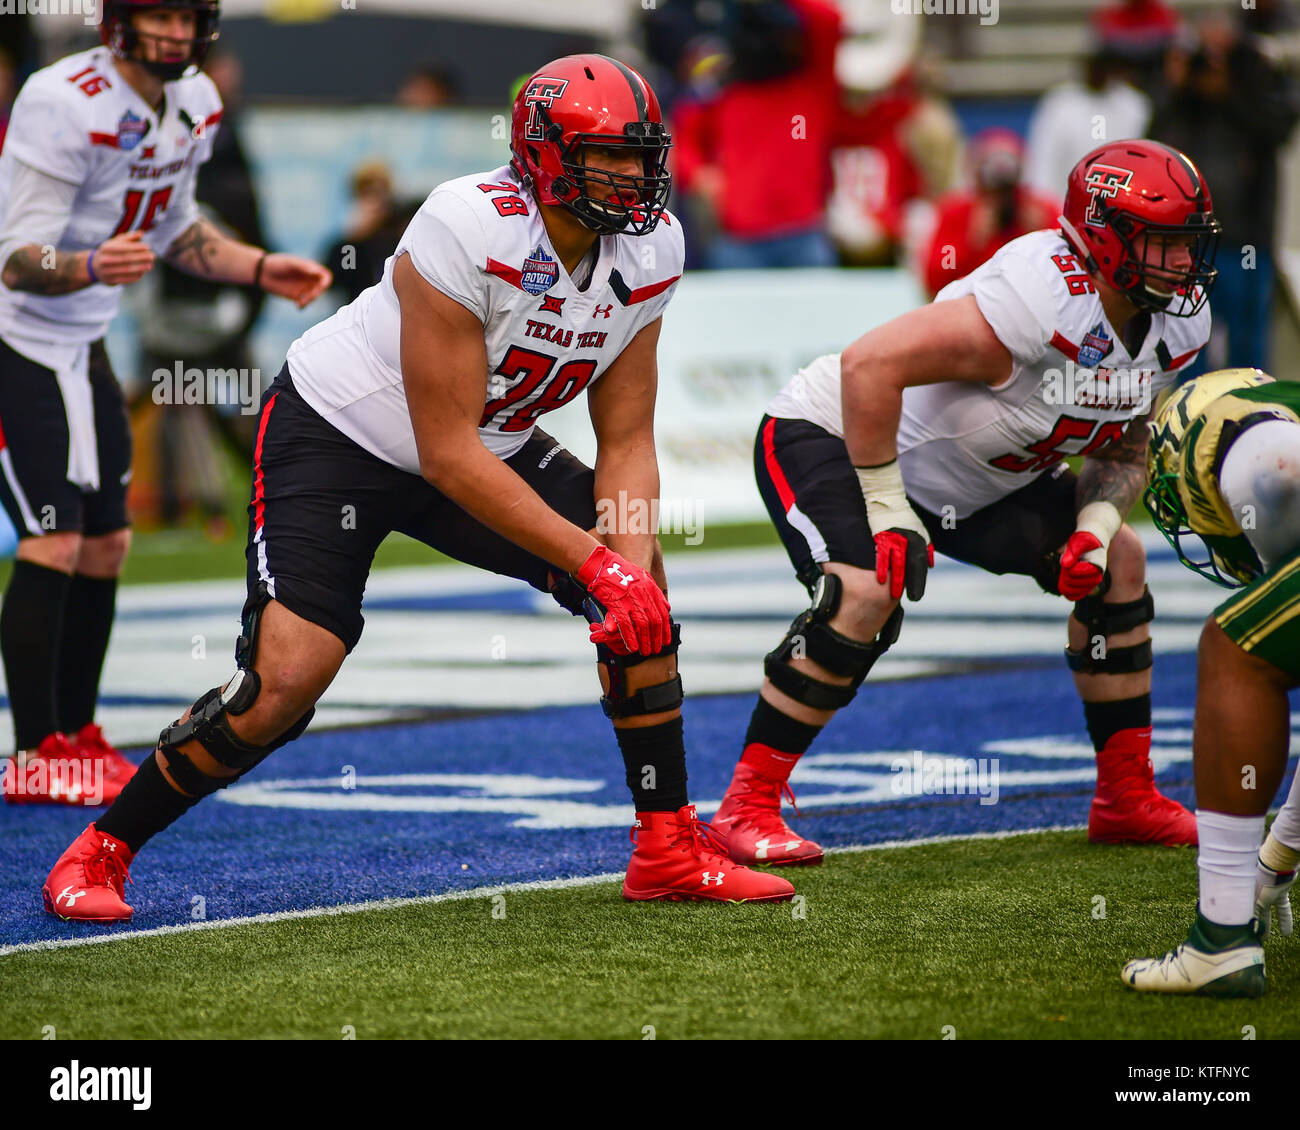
1199, 966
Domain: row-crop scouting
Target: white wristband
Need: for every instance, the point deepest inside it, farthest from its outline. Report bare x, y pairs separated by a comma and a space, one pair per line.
1100, 519
1276, 856
886, 499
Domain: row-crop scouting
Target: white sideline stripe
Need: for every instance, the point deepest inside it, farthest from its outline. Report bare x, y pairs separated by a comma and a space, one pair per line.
459, 896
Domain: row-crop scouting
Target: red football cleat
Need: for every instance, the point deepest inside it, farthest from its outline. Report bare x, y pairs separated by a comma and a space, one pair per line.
1128, 808
86, 884
749, 822
677, 857
57, 773
90, 742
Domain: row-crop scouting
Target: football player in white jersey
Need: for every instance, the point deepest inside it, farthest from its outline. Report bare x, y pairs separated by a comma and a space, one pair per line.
1224, 470
415, 409
946, 429
96, 180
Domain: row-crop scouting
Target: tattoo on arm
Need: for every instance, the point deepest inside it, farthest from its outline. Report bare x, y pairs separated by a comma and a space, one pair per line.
28, 270
195, 249
1117, 473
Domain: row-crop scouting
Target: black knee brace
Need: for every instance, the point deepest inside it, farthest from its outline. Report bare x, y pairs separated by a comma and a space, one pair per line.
570, 595
1103, 620
811, 635
648, 700
208, 723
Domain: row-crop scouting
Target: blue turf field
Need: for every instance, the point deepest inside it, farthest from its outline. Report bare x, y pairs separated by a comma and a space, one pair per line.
371, 805
249, 858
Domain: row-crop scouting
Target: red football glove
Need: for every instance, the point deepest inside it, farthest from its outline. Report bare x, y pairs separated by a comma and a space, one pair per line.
636, 610
904, 552
1080, 576
903, 558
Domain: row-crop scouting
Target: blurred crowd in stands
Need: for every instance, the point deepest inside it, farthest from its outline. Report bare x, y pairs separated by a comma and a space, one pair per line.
802, 142
814, 133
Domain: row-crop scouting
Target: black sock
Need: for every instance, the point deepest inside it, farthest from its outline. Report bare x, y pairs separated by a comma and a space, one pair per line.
146, 806
87, 623
655, 759
1106, 719
31, 624
770, 727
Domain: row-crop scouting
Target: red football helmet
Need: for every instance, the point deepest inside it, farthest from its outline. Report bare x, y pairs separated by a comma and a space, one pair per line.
592, 100
1127, 197
995, 157
122, 39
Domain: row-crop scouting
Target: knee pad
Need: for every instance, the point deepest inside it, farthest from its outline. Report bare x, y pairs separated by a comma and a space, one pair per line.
1103, 620
648, 700
209, 725
811, 636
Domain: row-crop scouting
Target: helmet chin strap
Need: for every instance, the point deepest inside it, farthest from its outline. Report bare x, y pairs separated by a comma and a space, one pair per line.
1078, 244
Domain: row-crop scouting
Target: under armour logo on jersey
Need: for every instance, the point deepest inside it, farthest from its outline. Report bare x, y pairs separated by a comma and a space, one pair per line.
606, 310
1104, 182
623, 578
65, 896
716, 880
551, 305
541, 93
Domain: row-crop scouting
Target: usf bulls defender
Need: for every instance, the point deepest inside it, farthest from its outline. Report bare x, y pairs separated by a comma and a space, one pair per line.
1224, 462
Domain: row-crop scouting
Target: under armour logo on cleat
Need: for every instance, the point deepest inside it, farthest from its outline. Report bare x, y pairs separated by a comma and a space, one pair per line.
110, 845
761, 847
716, 880
64, 896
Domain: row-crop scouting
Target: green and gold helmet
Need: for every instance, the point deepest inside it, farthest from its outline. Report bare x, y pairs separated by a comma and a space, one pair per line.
1181, 493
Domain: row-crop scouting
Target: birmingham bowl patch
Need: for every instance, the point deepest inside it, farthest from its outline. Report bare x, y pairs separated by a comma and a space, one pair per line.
540, 271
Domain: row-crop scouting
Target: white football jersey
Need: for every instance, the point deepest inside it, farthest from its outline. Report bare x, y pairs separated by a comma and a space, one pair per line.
80, 122
481, 240
1073, 387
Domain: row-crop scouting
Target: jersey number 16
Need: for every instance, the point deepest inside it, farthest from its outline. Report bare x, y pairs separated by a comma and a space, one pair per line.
158, 200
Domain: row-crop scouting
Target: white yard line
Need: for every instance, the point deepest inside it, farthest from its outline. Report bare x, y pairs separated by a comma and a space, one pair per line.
458, 896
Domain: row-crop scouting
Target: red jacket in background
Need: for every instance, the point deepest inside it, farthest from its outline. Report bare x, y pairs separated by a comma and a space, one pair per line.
771, 139
956, 250
1145, 25
872, 161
